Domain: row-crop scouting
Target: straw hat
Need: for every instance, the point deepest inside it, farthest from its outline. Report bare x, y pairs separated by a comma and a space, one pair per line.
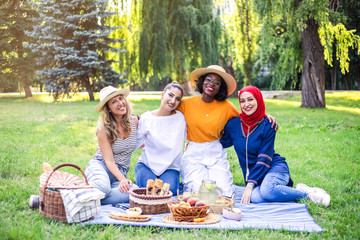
109, 92
229, 80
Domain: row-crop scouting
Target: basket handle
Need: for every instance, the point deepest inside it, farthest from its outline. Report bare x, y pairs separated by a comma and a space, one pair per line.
66, 165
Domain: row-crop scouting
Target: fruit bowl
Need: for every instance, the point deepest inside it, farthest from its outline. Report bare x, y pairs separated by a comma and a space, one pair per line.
232, 214
184, 212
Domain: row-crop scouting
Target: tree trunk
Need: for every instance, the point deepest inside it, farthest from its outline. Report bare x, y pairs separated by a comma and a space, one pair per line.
20, 48
313, 75
230, 70
89, 89
188, 88
334, 69
248, 60
347, 81
26, 85
358, 80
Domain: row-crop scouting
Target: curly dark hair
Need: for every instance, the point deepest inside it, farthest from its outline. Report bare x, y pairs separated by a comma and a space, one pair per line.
221, 95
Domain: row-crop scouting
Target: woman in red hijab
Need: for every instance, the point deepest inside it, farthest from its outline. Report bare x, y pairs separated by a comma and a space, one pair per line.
266, 173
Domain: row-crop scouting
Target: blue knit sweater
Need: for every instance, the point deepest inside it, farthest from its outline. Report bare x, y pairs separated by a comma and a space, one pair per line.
260, 149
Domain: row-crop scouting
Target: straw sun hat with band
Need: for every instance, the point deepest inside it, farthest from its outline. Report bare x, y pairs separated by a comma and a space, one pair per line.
229, 80
108, 93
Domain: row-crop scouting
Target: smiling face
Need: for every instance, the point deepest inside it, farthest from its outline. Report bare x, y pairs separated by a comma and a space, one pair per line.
248, 103
117, 105
170, 99
211, 84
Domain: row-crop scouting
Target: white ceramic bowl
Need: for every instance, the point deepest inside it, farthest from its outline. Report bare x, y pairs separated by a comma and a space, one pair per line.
230, 214
136, 211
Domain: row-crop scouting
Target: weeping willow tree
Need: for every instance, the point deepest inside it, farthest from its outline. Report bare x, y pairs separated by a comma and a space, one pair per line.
168, 39
297, 36
244, 29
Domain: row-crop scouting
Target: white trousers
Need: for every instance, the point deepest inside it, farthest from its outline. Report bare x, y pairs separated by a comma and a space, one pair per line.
206, 161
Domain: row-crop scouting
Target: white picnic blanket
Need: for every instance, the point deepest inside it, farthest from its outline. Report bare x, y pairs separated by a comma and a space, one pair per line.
289, 216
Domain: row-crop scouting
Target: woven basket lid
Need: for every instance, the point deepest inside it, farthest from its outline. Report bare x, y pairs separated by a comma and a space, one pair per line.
62, 180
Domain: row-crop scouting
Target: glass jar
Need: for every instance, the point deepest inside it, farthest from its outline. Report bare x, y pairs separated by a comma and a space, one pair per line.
207, 191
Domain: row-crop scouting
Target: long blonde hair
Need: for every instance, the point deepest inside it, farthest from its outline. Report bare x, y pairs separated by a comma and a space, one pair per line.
107, 122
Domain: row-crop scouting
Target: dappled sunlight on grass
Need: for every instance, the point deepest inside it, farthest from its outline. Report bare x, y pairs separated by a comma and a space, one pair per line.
348, 101
48, 98
140, 97
282, 102
77, 97
339, 108
297, 104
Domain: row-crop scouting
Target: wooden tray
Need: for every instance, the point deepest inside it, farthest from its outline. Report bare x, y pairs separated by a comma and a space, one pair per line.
210, 218
126, 217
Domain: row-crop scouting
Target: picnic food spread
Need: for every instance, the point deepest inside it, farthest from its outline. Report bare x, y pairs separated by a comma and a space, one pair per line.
189, 209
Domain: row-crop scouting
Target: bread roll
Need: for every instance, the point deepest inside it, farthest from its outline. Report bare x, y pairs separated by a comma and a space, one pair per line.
149, 187
165, 189
157, 187
47, 167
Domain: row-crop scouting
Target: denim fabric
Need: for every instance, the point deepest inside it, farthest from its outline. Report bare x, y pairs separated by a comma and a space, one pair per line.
273, 189
100, 177
143, 174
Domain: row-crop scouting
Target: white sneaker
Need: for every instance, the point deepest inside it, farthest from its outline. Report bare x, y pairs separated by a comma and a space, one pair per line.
316, 195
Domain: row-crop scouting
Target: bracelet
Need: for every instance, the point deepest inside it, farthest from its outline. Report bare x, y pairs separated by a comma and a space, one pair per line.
251, 184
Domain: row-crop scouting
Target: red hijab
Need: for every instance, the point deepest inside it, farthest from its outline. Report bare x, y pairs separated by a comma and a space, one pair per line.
258, 114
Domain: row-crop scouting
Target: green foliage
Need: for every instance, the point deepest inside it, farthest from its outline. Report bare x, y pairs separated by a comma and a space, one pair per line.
345, 39
15, 61
169, 38
243, 29
280, 41
321, 147
283, 22
72, 42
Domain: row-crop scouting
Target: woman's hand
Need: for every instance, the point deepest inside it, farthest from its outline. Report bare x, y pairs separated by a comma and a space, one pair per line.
247, 193
273, 121
125, 185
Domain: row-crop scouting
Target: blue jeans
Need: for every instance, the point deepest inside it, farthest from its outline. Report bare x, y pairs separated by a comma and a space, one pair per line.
273, 189
143, 173
101, 178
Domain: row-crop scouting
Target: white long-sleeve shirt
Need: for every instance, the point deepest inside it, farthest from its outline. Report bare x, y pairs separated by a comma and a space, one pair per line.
164, 138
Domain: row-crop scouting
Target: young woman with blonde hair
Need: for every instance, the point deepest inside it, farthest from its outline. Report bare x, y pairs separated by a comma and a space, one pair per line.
116, 134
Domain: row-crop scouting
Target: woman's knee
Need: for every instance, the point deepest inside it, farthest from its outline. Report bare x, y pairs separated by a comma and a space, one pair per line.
272, 184
268, 192
103, 186
98, 178
256, 197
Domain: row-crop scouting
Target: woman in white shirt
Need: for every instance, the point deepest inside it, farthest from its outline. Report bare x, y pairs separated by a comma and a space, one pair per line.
163, 131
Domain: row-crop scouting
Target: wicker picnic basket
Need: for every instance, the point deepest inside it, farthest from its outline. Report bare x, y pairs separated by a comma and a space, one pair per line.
185, 213
51, 204
149, 204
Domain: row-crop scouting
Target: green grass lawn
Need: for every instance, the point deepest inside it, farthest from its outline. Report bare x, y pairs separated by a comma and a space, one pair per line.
322, 147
